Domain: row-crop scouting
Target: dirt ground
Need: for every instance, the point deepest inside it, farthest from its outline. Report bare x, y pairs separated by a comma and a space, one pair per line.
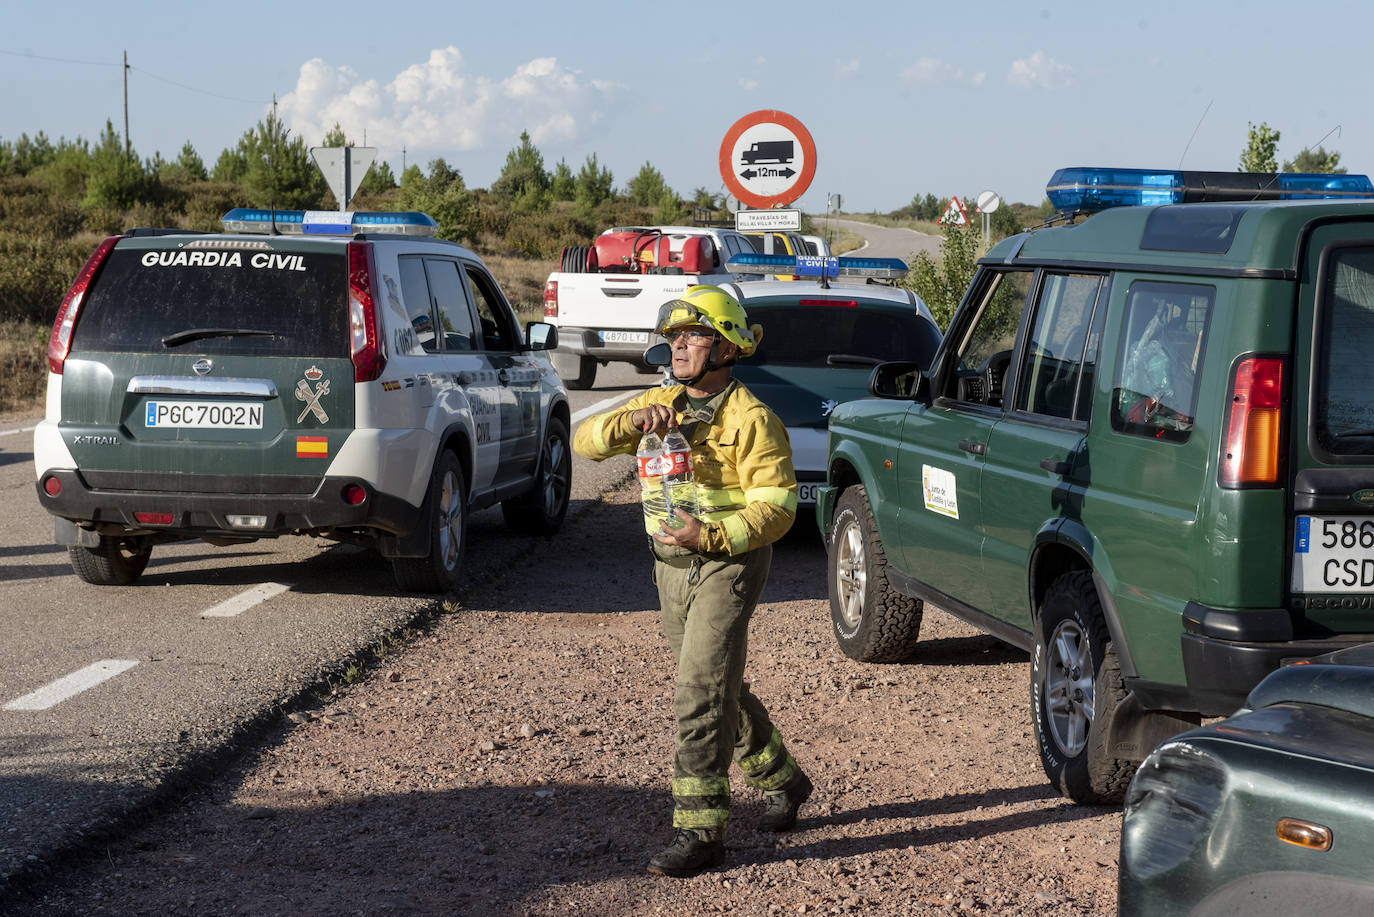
516, 760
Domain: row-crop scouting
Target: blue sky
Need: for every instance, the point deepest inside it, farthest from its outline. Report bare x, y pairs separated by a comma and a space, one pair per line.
901, 98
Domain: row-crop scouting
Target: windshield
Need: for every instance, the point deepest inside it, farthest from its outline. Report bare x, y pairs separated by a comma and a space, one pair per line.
218, 301
807, 335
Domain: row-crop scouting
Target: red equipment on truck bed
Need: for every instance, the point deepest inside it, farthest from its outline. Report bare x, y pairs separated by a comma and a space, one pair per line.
630, 251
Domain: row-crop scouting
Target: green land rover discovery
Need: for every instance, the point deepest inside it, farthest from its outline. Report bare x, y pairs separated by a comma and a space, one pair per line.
1144, 453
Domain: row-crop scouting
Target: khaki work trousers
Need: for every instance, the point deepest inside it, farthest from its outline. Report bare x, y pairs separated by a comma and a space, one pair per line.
707, 602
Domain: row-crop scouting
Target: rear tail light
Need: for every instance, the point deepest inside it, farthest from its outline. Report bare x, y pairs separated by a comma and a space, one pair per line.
551, 299
60, 342
1251, 453
52, 486
847, 303
369, 359
354, 494
154, 518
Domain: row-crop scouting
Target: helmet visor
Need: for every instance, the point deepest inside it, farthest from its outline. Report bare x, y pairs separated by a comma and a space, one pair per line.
679, 314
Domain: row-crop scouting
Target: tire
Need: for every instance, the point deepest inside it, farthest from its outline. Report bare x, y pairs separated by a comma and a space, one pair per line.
577, 372
872, 621
116, 561
541, 511
447, 519
1076, 694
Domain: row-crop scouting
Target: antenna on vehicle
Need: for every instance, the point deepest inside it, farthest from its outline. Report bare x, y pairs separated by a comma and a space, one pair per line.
271, 165
1196, 127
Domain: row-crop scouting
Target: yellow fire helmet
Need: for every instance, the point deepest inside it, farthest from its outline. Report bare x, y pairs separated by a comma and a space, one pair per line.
711, 307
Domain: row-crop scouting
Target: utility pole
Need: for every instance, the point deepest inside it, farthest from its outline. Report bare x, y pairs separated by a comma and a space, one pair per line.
128, 150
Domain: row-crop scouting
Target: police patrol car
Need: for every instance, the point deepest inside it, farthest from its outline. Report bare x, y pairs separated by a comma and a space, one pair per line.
342, 375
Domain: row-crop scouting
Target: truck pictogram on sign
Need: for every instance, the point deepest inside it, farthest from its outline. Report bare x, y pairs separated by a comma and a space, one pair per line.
779, 151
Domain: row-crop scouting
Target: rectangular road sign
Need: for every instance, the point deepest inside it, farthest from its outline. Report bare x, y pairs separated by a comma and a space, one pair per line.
755, 220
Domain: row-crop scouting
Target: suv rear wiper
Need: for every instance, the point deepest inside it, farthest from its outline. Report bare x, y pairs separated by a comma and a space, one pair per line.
853, 359
196, 334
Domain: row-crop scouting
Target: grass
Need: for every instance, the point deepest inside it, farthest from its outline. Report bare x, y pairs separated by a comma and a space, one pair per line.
23, 364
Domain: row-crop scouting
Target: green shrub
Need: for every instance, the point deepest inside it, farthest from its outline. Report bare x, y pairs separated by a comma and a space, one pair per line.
35, 273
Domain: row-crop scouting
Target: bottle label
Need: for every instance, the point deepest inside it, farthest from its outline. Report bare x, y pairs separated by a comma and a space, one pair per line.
678, 462
653, 466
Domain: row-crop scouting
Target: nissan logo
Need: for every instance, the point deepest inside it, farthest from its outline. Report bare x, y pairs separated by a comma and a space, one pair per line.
203, 366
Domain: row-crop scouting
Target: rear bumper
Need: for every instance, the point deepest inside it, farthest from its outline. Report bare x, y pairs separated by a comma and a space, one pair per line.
1226, 653
199, 513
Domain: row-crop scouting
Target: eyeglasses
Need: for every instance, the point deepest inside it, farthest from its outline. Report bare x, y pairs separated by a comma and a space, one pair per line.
691, 336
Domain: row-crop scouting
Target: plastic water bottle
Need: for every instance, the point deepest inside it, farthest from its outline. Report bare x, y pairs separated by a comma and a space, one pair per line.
678, 480
652, 461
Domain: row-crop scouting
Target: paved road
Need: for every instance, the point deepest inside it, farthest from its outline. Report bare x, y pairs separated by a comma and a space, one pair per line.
891, 242
153, 688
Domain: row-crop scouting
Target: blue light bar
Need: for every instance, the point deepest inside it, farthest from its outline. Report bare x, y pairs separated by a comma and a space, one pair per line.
816, 266
328, 222
1080, 189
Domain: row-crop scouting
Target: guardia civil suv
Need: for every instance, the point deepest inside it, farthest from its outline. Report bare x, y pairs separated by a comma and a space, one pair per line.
343, 375
1144, 453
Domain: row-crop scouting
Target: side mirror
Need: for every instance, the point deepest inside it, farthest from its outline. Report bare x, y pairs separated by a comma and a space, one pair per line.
659, 355
897, 379
541, 335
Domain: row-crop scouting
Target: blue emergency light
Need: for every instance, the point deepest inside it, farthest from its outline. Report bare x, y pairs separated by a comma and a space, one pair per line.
329, 222
1081, 190
816, 266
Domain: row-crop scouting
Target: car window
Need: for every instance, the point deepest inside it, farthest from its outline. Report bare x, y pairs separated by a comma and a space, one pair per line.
142, 295
455, 316
497, 332
1054, 363
1164, 335
1343, 415
801, 332
984, 348
419, 306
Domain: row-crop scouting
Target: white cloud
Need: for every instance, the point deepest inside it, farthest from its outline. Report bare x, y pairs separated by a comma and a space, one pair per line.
932, 71
1040, 72
847, 68
748, 85
437, 104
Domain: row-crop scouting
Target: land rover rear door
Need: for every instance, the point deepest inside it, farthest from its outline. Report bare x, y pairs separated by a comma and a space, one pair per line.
1332, 445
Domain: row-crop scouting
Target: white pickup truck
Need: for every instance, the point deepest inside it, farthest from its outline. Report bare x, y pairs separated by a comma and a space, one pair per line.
606, 296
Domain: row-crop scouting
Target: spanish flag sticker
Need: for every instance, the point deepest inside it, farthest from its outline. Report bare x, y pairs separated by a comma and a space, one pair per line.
312, 447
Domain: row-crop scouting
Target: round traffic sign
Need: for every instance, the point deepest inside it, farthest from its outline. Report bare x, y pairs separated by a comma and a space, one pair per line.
767, 158
988, 201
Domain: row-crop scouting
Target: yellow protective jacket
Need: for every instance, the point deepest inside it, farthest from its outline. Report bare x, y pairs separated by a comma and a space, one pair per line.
741, 460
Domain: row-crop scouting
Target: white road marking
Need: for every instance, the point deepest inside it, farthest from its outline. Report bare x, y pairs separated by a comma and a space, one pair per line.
70, 685
20, 430
245, 600
600, 406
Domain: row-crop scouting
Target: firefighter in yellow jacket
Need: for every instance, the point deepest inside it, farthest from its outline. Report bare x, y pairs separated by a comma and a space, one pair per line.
711, 570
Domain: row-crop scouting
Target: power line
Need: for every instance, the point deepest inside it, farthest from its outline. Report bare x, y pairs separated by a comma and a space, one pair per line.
96, 63
60, 60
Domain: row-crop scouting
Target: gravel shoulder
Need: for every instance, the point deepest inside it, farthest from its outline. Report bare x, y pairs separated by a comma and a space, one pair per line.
515, 759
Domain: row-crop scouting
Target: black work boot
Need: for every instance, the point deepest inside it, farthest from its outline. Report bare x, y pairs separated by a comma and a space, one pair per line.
688, 855
780, 809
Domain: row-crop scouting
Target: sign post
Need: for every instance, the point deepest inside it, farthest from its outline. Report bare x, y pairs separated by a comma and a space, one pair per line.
988, 201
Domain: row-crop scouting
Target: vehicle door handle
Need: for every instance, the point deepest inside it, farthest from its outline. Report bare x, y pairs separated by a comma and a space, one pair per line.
503, 377
972, 447
1059, 468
